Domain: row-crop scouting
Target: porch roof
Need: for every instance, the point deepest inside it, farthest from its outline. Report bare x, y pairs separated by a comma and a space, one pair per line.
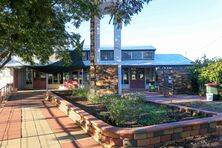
60, 66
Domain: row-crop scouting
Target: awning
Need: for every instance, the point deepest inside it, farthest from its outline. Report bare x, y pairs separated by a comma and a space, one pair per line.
60, 67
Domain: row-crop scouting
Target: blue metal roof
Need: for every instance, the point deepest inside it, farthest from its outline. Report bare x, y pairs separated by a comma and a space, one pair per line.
125, 48
160, 60
171, 59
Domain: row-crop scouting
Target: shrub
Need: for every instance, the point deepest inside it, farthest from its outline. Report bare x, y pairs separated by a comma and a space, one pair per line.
95, 99
80, 92
122, 109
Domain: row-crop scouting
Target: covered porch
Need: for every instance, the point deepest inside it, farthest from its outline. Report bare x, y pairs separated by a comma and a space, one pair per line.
139, 78
57, 75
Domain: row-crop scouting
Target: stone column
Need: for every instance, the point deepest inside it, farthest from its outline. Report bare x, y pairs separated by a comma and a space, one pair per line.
117, 55
94, 44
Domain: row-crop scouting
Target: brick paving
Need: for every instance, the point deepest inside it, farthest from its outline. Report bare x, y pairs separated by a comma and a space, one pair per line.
156, 97
28, 121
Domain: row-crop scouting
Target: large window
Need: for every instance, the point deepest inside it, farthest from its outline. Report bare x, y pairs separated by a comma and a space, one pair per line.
28, 76
85, 55
148, 54
149, 75
126, 55
125, 76
39, 75
67, 76
55, 79
75, 75
137, 55
107, 55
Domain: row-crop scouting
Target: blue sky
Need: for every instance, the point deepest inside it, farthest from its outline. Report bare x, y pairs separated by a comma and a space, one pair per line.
188, 27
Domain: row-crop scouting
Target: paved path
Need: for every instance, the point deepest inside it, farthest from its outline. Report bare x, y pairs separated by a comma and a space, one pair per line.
27, 121
156, 97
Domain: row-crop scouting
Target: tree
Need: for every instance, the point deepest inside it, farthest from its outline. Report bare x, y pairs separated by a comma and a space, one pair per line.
194, 74
37, 28
212, 73
203, 71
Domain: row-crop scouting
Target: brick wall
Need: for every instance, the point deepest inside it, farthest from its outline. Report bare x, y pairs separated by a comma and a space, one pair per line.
147, 136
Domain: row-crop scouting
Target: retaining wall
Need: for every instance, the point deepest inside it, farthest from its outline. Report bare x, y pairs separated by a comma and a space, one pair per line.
148, 136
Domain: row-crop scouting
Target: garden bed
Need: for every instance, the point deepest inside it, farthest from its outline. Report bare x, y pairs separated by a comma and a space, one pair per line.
165, 134
148, 114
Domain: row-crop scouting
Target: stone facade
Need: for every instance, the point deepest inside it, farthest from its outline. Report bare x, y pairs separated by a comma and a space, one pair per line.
179, 78
106, 79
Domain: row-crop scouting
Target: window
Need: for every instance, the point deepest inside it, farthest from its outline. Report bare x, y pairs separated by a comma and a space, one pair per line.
170, 81
126, 55
137, 55
133, 74
125, 76
107, 55
137, 74
61, 78
50, 78
75, 75
85, 55
147, 54
28, 76
55, 79
67, 76
149, 75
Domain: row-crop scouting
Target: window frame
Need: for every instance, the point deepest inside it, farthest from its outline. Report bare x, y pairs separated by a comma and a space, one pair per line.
130, 53
87, 56
106, 51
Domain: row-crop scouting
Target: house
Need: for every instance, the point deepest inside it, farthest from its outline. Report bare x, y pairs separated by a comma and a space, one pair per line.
141, 69
112, 69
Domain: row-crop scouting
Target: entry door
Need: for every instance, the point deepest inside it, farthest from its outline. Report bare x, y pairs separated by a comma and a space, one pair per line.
39, 81
137, 78
21, 79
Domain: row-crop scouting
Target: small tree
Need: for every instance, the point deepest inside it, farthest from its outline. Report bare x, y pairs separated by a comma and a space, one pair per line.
204, 71
212, 73
194, 74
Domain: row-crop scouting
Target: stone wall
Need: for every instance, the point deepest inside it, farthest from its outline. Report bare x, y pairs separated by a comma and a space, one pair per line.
106, 79
180, 81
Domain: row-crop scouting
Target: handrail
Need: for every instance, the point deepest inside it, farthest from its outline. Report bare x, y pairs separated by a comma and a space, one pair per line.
166, 90
5, 92
170, 88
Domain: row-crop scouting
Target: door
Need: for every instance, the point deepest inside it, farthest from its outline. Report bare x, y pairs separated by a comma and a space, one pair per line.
137, 78
21, 79
39, 80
